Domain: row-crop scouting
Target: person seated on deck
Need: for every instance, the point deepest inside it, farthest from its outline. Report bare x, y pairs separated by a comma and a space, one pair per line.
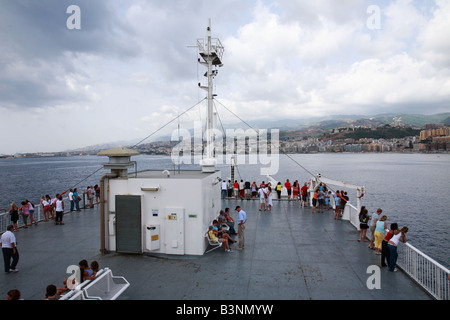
220, 233
62, 290
94, 268
215, 239
51, 293
229, 221
220, 224
85, 271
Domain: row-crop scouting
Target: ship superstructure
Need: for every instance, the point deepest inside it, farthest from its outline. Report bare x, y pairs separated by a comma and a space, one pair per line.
163, 212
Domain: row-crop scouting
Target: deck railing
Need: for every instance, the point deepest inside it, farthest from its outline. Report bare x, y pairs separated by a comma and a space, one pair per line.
38, 215
428, 273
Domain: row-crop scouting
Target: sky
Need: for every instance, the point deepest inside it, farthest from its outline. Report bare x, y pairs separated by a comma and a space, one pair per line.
131, 66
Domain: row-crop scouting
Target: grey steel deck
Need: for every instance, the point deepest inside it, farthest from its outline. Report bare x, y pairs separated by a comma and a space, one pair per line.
290, 253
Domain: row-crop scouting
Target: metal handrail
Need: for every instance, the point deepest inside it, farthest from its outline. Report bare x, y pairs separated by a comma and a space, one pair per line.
428, 273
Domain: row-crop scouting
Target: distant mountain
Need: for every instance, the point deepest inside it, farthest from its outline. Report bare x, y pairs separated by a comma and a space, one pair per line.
317, 124
415, 120
335, 121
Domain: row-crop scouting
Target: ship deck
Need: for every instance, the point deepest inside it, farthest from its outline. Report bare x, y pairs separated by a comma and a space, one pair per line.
290, 254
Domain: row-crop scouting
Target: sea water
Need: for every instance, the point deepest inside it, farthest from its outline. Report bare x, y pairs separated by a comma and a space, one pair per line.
412, 189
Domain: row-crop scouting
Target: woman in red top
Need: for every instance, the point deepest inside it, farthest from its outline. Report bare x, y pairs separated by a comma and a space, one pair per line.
236, 189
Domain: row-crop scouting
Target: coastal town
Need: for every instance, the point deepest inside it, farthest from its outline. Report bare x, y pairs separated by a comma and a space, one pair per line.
432, 138
395, 137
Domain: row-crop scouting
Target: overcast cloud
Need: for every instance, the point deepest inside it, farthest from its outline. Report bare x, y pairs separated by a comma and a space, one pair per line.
130, 67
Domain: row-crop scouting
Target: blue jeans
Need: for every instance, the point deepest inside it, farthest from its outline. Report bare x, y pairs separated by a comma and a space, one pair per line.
224, 193
392, 256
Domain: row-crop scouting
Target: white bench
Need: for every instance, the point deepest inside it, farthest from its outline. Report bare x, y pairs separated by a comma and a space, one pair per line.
213, 244
105, 286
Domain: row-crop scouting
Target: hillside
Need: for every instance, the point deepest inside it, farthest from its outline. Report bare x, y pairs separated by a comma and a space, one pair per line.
382, 132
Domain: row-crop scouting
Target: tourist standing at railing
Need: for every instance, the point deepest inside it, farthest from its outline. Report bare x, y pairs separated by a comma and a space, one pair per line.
25, 213
59, 208
262, 198
363, 223
71, 200
269, 197
236, 189
224, 189
337, 205
295, 190
304, 192
287, 184
90, 194
14, 212
372, 223
278, 188
46, 207
76, 199
254, 190
31, 212
247, 189
380, 228
50, 208
97, 193
399, 235
384, 249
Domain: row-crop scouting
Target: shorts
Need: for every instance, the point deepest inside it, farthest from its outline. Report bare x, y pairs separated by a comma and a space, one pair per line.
314, 202
363, 226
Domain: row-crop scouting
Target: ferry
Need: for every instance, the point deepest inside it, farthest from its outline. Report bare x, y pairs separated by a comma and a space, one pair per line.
152, 245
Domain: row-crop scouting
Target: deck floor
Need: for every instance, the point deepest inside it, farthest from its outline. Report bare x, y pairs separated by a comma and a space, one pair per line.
290, 254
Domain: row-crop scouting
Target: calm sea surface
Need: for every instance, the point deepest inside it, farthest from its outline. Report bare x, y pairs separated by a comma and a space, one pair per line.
412, 189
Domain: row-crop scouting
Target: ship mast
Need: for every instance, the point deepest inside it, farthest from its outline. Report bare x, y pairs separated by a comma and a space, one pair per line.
211, 51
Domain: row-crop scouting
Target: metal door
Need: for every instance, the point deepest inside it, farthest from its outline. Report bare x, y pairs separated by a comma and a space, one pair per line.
128, 224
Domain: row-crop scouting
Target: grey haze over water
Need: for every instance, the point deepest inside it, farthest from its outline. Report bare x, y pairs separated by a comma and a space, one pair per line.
412, 189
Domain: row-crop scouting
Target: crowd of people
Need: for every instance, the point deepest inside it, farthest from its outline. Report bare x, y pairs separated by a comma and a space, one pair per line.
53, 208
382, 240
322, 199
224, 226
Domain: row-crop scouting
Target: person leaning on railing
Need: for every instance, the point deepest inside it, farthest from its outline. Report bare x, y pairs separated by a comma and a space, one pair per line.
399, 235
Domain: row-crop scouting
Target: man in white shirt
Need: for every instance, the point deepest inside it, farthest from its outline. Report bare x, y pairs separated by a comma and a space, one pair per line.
242, 219
71, 200
9, 250
224, 189
262, 198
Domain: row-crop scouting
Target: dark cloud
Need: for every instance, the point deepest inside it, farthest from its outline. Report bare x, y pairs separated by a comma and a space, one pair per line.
39, 49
